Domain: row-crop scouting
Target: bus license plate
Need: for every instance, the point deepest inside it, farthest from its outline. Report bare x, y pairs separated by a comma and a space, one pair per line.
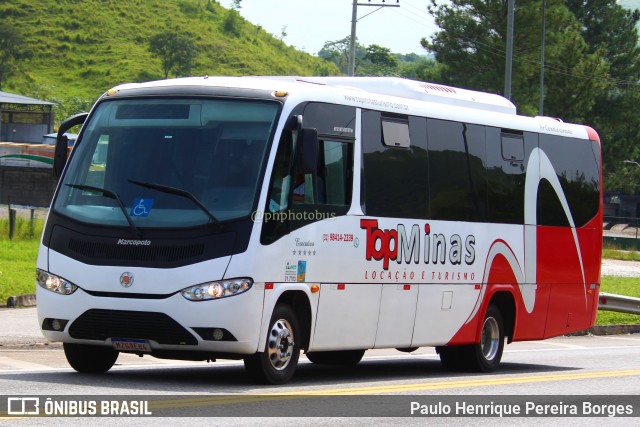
124, 344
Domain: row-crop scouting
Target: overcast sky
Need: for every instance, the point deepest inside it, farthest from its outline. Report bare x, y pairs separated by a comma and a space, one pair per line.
311, 23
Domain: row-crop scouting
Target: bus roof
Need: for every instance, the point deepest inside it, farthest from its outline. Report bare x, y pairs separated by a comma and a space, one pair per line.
389, 86
417, 90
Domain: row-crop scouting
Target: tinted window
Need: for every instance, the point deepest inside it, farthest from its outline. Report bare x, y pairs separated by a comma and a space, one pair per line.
395, 178
330, 120
506, 154
576, 163
457, 173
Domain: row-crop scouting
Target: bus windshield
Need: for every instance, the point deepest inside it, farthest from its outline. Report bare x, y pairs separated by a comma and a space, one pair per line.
168, 162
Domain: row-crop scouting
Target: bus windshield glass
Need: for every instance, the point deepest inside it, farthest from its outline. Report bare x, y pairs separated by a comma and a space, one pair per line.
168, 162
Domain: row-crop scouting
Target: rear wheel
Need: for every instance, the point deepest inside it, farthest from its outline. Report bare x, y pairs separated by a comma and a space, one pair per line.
483, 356
488, 352
343, 358
90, 359
278, 363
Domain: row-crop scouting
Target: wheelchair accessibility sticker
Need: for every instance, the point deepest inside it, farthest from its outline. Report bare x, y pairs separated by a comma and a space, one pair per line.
141, 207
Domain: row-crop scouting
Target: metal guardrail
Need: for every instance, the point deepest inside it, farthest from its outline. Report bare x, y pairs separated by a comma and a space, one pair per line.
619, 303
622, 226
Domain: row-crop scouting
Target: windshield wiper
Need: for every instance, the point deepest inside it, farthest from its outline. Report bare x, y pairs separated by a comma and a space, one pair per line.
112, 195
178, 192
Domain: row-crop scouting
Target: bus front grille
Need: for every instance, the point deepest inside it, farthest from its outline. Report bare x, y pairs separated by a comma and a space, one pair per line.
98, 324
159, 254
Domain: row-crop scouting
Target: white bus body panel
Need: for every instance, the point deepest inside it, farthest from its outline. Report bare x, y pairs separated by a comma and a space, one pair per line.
397, 315
347, 316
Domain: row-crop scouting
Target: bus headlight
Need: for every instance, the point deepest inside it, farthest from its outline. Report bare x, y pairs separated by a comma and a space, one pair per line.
219, 289
53, 283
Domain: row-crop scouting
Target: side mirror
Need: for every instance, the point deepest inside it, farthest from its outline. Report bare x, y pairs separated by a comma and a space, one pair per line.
308, 147
62, 142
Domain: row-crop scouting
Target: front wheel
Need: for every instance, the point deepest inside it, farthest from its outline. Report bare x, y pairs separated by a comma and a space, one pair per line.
278, 363
90, 359
483, 356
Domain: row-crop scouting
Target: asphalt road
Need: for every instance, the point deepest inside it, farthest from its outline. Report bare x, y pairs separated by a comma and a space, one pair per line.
561, 369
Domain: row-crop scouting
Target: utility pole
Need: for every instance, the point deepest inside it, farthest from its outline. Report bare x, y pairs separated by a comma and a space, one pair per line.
508, 65
354, 20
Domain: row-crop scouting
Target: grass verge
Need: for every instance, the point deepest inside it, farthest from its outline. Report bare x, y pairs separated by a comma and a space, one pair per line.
620, 255
17, 268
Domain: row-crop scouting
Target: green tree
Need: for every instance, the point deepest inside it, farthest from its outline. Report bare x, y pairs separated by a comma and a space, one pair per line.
420, 68
608, 27
13, 51
470, 49
177, 52
380, 61
337, 52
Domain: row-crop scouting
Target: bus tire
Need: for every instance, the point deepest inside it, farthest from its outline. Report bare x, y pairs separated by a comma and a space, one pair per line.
277, 364
90, 359
341, 358
483, 356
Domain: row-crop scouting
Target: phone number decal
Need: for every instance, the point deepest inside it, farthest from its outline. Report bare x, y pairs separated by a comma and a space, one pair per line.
337, 237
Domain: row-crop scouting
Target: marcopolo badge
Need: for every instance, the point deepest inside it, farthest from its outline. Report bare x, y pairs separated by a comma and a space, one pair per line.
126, 279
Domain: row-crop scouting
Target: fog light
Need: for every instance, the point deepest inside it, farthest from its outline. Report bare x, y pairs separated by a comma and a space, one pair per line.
56, 325
218, 334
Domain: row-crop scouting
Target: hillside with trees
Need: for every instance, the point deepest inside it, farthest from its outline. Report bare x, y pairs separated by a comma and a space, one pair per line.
73, 50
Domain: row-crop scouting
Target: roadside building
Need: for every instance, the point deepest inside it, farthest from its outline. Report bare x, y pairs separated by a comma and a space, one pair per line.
24, 119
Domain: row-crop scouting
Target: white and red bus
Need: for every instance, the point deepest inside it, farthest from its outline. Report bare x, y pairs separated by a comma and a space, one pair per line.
254, 218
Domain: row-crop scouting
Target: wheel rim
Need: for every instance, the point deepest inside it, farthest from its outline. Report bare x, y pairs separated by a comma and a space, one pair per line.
490, 342
280, 344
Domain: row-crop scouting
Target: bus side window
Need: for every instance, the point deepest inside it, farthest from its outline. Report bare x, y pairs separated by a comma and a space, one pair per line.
331, 186
313, 196
395, 165
327, 193
457, 170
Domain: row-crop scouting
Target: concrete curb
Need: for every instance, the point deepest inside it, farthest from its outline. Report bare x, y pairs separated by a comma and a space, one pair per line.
608, 330
28, 300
